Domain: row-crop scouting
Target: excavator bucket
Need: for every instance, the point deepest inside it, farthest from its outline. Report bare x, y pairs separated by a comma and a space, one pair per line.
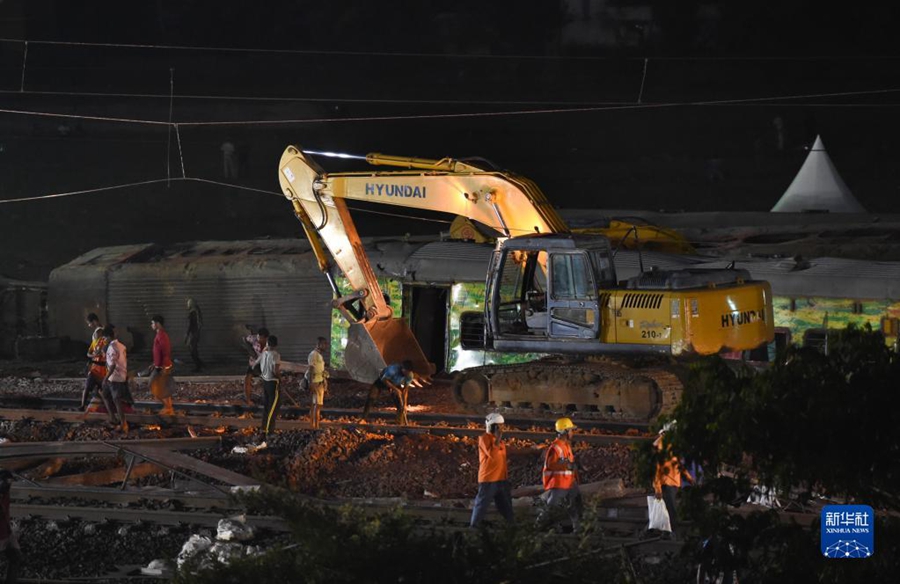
371, 346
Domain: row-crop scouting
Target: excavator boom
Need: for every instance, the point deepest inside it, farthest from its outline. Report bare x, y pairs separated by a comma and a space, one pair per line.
506, 203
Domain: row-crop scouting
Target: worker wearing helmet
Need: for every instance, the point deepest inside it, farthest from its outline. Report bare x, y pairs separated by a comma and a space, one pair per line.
561, 475
492, 472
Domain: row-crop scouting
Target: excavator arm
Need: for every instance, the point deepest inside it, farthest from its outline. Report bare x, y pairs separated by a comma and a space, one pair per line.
507, 203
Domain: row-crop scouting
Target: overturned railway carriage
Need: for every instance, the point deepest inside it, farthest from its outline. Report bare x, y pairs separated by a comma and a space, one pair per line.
275, 283
272, 284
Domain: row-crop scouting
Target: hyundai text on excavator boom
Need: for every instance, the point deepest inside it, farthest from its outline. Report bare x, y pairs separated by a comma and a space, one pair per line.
548, 291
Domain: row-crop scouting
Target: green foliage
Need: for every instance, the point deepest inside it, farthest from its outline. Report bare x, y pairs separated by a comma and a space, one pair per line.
334, 545
814, 422
763, 548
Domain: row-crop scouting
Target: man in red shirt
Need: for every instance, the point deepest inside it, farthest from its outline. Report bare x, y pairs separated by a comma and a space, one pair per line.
9, 545
161, 380
492, 472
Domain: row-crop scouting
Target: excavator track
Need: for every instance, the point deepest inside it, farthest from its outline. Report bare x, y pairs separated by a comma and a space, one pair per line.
628, 389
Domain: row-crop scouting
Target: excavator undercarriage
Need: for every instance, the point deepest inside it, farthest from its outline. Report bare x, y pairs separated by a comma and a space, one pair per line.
635, 389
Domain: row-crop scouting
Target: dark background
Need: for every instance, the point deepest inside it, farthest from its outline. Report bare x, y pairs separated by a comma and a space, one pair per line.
550, 91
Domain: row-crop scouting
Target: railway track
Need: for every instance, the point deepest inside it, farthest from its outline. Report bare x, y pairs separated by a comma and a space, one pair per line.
216, 416
207, 408
623, 517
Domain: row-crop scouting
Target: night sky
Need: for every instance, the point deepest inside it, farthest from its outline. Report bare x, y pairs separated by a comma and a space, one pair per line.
617, 105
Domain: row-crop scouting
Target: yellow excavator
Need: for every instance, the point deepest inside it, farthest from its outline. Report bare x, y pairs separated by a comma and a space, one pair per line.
548, 291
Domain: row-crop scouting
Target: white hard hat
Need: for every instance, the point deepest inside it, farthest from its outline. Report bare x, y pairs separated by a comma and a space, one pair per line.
491, 419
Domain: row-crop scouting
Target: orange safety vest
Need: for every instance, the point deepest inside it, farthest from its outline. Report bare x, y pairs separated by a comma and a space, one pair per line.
556, 475
98, 363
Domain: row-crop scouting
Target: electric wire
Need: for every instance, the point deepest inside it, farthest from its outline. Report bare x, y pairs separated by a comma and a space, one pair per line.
303, 121
24, 63
203, 181
540, 111
169, 133
83, 117
95, 94
83, 191
643, 81
251, 50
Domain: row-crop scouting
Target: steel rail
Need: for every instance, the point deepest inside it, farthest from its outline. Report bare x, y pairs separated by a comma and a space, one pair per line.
215, 422
11, 450
240, 409
119, 514
213, 499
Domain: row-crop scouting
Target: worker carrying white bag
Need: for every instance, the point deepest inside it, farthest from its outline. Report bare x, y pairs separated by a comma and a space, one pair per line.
659, 517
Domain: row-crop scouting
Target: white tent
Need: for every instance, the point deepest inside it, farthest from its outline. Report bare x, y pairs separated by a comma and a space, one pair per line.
818, 187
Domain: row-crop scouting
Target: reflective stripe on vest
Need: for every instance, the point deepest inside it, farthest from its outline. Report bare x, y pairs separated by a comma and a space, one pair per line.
558, 479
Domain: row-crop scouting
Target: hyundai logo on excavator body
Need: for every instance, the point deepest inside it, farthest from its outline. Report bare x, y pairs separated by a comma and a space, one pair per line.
738, 318
389, 190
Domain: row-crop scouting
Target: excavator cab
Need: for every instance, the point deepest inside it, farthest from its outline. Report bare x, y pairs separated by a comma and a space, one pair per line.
543, 294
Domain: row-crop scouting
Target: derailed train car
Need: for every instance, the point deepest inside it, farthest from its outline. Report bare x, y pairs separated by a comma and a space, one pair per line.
237, 285
275, 283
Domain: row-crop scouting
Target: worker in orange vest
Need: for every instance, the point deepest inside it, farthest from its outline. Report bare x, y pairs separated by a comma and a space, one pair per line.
492, 472
667, 480
561, 476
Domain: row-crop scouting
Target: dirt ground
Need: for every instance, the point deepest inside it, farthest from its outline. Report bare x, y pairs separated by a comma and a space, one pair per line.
342, 393
333, 463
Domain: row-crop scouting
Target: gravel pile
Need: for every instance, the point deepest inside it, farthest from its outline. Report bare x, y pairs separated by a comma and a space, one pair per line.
76, 548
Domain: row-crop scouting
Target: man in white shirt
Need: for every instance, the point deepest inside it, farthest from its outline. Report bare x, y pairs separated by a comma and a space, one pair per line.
317, 376
270, 371
116, 381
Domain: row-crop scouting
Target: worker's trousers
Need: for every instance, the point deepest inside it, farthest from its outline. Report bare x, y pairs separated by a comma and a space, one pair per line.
498, 492
374, 391
271, 401
568, 499
668, 495
162, 384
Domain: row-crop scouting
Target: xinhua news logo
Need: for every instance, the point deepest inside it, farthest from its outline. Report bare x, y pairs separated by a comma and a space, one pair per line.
848, 531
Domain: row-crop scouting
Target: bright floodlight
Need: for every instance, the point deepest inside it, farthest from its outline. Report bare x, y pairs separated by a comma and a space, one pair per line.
336, 154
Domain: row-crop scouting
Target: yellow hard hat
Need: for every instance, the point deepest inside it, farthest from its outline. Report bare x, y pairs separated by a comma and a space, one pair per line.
564, 424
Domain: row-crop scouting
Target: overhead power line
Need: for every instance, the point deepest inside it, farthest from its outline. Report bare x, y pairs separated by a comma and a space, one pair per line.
310, 99
83, 191
402, 54
401, 117
203, 181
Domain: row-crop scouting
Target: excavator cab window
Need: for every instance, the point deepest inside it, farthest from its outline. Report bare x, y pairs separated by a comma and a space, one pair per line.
574, 309
603, 266
571, 279
522, 298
